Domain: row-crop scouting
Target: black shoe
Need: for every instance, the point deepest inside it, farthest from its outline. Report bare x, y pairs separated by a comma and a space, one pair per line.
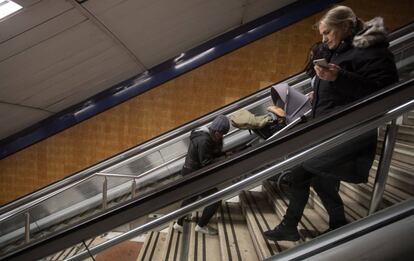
283, 232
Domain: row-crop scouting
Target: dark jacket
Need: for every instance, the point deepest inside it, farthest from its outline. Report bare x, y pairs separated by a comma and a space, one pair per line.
366, 67
203, 150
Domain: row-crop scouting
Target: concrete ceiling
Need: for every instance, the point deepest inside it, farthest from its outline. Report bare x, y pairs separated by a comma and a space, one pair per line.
57, 53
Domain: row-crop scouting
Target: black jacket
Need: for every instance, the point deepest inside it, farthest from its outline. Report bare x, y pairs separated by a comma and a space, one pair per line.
203, 150
364, 70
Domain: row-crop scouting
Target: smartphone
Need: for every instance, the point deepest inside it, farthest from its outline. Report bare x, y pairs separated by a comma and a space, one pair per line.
322, 63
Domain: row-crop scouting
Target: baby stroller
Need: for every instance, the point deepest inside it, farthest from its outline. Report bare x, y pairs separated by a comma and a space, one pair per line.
290, 107
295, 106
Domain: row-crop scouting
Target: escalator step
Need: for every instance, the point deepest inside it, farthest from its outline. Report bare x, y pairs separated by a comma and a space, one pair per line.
172, 249
235, 240
260, 217
203, 247
154, 244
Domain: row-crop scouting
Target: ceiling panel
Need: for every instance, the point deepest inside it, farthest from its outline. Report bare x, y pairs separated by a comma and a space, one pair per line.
31, 16
106, 69
48, 66
158, 30
83, 93
40, 33
15, 118
258, 8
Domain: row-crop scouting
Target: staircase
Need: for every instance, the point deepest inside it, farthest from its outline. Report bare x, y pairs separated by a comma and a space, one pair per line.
241, 222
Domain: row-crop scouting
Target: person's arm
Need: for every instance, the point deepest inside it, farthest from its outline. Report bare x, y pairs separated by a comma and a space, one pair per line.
205, 153
373, 75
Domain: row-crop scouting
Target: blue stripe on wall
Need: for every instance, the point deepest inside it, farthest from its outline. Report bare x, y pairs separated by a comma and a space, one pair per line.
162, 73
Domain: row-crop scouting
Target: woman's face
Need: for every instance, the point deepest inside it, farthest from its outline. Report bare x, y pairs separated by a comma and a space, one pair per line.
332, 36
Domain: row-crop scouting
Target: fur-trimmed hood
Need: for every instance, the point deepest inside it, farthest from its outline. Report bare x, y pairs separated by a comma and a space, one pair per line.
374, 32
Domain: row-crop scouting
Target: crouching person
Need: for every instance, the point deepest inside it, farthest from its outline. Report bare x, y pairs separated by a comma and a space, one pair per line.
205, 146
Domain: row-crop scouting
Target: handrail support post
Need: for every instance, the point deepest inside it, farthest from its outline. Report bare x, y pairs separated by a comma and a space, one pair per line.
27, 227
383, 166
133, 188
105, 194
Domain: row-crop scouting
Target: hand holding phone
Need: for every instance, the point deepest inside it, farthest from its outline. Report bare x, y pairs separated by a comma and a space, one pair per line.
322, 63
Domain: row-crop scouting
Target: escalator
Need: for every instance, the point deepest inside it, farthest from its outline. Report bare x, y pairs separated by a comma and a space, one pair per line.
135, 184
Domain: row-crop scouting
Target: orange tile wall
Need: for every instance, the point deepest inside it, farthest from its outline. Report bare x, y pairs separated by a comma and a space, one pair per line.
176, 102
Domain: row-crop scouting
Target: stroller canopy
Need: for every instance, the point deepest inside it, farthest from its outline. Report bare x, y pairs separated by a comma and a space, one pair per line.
295, 103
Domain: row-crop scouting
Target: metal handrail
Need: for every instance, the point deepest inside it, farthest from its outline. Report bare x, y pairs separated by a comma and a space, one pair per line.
67, 184
131, 177
38, 201
252, 180
34, 203
147, 145
115, 175
104, 190
345, 119
144, 173
259, 96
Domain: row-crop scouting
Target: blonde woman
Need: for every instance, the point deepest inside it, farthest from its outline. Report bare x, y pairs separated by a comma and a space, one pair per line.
359, 63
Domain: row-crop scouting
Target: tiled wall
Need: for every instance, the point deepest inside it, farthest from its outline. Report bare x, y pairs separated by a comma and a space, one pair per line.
176, 102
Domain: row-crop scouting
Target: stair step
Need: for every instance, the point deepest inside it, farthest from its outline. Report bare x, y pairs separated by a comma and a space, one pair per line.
154, 245
403, 151
404, 171
235, 240
399, 176
362, 194
408, 118
394, 193
172, 247
260, 217
201, 246
405, 133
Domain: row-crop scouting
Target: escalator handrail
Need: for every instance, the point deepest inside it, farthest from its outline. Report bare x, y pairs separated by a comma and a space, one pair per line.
23, 208
251, 182
74, 178
35, 202
310, 134
150, 144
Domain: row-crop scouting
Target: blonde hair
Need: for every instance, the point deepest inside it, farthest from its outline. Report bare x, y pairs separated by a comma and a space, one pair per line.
339, 15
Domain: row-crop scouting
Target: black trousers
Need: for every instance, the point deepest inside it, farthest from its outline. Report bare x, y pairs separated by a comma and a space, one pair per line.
327, 189
208, 211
